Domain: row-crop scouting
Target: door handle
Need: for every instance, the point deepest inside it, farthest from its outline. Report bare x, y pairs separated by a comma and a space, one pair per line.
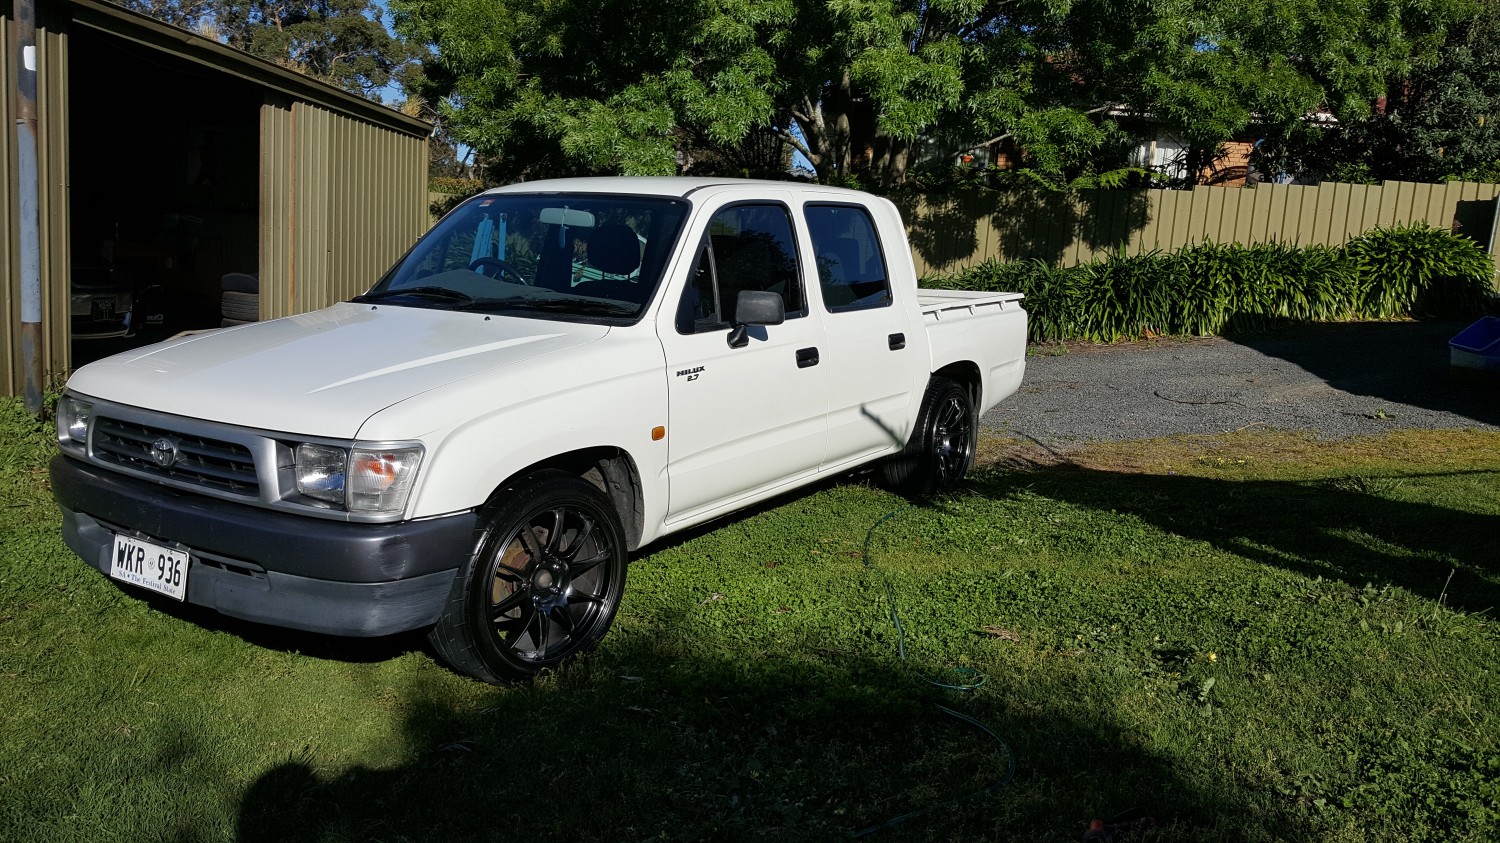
807, 357
897, 341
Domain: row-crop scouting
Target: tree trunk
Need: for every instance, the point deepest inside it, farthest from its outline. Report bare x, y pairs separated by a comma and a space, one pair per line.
825, 128
843, 137
888, 164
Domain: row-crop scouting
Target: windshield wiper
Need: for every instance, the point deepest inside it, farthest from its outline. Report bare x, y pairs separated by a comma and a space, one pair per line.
577, 306
442, 293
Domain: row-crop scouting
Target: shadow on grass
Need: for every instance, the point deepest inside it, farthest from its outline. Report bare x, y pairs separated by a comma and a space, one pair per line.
280, 639
665, 736
1400, 362
1338, 528
660, 743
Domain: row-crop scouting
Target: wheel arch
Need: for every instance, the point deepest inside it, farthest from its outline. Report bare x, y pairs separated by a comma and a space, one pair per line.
965, 372
612, 470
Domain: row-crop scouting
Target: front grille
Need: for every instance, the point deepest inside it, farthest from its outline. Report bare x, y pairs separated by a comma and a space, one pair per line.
210, 463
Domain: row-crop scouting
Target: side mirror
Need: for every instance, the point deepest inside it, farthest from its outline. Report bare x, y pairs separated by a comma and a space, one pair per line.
755, 307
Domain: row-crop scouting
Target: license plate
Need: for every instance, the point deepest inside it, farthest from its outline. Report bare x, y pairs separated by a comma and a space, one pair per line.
149, 565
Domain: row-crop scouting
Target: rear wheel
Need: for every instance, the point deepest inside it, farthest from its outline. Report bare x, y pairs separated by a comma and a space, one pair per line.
941, 448
543, 584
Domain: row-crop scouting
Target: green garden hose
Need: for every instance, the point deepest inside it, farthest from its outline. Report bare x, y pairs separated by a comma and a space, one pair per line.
974, 680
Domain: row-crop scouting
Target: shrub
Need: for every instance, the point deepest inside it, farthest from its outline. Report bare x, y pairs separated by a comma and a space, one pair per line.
1127, 295
1204, 289
455, 186
1213, 287
1045, 288
1419, 270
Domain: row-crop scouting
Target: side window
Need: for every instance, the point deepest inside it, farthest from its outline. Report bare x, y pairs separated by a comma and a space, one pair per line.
699, 309
851, 266
749, 247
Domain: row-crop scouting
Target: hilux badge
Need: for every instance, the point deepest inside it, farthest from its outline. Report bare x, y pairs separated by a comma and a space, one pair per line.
164, 451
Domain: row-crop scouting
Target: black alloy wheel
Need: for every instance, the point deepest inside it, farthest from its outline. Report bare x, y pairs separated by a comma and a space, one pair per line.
543, 585
940, 451
952, 439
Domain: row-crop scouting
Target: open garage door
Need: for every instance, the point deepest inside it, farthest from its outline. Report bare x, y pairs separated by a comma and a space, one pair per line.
165, 165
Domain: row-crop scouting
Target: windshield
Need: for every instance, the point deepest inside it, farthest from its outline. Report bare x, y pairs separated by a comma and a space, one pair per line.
570, 256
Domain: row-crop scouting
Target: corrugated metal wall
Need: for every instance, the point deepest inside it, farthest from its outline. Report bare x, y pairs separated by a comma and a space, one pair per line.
52, 180
951, 233
341, 198
340, 201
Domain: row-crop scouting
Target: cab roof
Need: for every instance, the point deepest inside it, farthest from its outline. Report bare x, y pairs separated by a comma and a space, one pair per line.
676, 186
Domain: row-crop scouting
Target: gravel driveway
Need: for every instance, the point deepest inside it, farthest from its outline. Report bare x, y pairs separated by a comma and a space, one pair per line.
1337, 379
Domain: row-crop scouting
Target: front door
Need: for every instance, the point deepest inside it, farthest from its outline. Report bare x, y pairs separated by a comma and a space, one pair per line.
741, 420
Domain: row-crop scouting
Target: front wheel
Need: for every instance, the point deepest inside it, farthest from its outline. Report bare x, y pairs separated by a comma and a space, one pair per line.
941, 448
542, 585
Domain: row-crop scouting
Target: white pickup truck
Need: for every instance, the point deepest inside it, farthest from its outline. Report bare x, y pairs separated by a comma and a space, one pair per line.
557, 374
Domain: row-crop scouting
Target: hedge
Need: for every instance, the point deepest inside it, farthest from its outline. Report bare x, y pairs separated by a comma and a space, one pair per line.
1212, 288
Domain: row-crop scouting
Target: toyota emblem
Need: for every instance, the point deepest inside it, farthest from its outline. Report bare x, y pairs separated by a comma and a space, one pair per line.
164, 451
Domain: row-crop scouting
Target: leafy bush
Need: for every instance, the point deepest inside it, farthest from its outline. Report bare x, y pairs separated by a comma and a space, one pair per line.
1213, 287
1419, 270
1127, 295
455, 186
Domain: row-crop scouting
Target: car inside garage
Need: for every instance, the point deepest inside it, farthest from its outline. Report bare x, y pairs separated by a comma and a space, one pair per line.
169, 203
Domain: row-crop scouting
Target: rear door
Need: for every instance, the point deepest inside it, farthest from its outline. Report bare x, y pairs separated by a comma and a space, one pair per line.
742, 420
875, 367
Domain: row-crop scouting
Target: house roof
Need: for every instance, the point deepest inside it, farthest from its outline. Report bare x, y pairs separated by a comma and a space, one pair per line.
148, 31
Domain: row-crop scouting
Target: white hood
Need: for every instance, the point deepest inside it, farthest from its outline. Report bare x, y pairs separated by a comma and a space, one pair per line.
322, 373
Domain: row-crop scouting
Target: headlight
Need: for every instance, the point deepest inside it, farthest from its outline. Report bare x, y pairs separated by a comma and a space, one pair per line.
73, 418
320, 472
370, 480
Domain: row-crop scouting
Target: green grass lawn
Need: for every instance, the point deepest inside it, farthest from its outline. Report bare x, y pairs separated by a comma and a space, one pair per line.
1245, 637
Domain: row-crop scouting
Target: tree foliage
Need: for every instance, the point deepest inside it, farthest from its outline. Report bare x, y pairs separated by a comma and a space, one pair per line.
1440, 122
343, 42
561, 86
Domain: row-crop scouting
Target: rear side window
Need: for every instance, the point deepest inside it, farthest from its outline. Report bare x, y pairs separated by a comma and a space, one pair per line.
749, 247
851, 266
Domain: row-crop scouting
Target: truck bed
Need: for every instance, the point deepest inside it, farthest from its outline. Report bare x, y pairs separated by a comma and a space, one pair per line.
960, 302
986, 328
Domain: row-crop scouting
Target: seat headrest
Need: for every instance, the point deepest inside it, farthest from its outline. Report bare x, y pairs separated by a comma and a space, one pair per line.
614, 249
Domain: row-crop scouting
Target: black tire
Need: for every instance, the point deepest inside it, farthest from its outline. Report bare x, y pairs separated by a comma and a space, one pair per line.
941, 448
241, 307
543, 584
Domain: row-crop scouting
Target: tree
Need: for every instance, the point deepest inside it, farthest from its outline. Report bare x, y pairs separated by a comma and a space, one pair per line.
188, 14
343, 42
1437, 123
606, 86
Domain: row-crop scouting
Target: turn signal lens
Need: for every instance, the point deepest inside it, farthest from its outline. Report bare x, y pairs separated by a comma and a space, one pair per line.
381, 479
374, 472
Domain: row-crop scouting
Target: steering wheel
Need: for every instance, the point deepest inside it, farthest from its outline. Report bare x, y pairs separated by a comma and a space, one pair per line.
501, 268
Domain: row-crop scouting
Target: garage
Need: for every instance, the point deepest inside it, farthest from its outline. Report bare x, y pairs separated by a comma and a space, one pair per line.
184, 185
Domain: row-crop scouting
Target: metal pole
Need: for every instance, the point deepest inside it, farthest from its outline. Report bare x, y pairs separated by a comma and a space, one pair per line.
30, 222
1495, 241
